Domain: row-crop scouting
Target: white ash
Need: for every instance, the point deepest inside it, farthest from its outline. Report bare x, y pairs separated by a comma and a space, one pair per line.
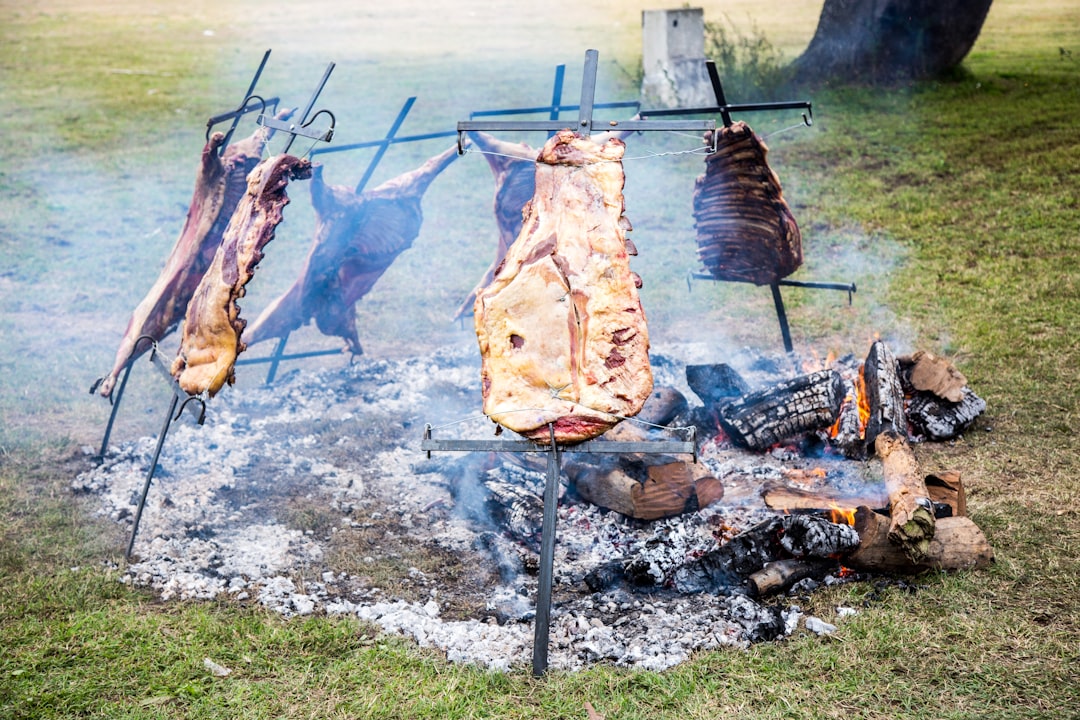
223, 519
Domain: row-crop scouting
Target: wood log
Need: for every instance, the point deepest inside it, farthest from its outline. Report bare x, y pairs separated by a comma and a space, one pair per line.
779, 495
912, 524
958, 544
783, 411
780, 575
923, 371
716, 384
884, 393
646, 488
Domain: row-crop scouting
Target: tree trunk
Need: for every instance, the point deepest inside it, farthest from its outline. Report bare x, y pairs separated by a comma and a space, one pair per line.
883, 41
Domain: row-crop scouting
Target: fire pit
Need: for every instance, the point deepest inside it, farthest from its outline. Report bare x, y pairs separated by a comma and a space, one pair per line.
313, 496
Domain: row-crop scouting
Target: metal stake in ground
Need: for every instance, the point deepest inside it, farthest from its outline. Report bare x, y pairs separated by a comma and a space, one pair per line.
541, 630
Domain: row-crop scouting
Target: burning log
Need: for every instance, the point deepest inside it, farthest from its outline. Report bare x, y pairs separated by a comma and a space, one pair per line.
847, 433
219, 185
781, 496
884, 395
562, 334
212, 326
912, 524
357, 237
780, 412
957, 544
745, 229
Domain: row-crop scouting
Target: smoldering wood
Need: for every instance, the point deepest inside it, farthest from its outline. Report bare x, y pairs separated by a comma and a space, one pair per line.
783, 411
912, 523
883, 392
816, 536
664, 404
517, 510
725, 569
716, 383
958, 544
940, 419
779, 576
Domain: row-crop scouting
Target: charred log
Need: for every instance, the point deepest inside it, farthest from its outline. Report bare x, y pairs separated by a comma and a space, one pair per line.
783, 411
958, 544
849, 431
745, 229
213, 326
716, 384
912, 524
884, 394
940, 419
817, 537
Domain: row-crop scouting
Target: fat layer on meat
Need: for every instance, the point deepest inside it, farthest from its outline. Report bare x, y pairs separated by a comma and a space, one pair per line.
562, 333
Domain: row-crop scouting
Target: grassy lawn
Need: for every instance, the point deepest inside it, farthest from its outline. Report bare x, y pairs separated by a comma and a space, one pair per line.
953, 205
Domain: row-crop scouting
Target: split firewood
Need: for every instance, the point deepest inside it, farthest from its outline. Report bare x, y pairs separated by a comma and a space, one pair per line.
958, 544
930, 373
946, 488
884, 393
912, 524
780, 412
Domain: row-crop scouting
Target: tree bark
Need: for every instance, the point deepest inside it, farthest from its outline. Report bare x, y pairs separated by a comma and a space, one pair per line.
885, 41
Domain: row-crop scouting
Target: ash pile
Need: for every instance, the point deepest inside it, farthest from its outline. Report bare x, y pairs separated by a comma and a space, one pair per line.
311, 496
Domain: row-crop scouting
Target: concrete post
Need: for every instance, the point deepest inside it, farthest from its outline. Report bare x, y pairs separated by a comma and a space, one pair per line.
673, 56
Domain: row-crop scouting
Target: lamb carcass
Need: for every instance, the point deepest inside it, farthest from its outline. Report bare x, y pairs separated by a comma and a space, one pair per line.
212, 325
562, 334
357, 237
220, 183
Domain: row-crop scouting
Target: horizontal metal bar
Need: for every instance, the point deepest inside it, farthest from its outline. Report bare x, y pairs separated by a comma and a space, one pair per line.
744, 107
296, 129
380, 143
239, 112
846, 287
596, 125
668, 447
550, 109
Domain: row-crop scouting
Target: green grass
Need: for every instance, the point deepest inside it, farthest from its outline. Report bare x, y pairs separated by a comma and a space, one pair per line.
953, 206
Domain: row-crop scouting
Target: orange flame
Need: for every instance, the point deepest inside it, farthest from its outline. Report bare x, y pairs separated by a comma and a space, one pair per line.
864, 401
842, 516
